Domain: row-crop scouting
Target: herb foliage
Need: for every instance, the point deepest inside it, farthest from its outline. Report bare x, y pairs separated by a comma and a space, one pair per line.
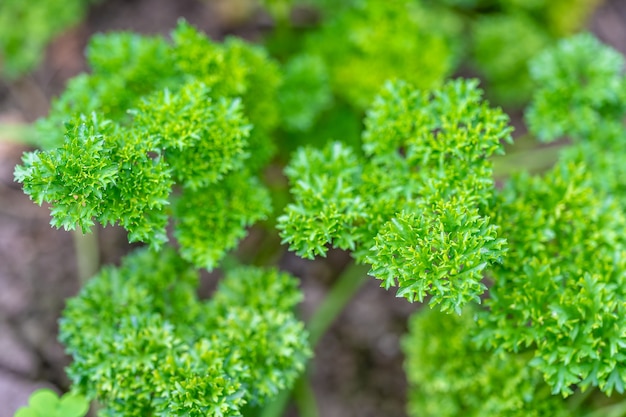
526, 278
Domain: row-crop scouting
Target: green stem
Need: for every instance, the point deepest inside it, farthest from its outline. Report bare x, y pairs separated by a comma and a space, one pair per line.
305, 398
534, 160
269, 251
340, 294
344, 289
613, 410
277, 405
579, 397
87, 254
18, 133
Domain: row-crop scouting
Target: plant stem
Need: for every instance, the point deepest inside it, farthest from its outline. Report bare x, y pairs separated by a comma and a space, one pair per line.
305, 398
534, 160
276, 406
87, 254
346, 286
579, 397
613, 410
269, 250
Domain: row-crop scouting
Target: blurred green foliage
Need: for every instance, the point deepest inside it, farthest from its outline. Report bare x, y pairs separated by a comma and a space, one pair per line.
26, 28
452, 376
422, 40
46, 403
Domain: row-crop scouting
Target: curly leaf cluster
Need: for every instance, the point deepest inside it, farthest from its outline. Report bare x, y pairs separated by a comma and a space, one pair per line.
202, 139
368, 43
581, 90
560, 290
143, 344
125, 68
413, 206
506, 67
125, 173
327, 204
440, 252
449, 375
581, 93
157, 123
213, 219
235, 69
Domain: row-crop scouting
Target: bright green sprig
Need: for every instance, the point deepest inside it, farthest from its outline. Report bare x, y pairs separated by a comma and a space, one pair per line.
128, 171
414, 205
560, 289
143, 344
439, 242
126, 67
328, 205
449, 375
227, 208
202, 138
96, 182
166, 120
446, 136
441, 250
235, 69
556, 300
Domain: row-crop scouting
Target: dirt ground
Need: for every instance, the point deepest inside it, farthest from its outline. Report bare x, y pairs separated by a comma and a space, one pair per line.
358, 366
